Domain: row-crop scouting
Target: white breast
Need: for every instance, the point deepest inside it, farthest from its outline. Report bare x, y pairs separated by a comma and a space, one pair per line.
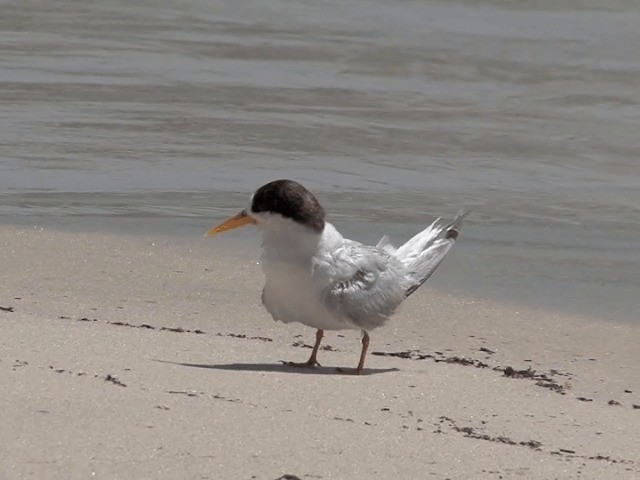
293, 289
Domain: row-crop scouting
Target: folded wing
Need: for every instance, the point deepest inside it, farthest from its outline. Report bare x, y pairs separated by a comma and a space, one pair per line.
366, 284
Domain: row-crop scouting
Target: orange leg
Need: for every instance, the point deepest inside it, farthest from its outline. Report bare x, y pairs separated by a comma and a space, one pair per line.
363, 354
312, 362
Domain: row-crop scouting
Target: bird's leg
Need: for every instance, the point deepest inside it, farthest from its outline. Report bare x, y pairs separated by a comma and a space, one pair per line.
363, 354
312, 362
314, 353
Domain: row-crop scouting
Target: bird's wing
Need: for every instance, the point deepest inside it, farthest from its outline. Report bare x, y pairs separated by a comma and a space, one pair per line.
363, 284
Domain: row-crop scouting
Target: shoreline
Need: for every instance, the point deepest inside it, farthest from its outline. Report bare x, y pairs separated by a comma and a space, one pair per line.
129, 356
479, 267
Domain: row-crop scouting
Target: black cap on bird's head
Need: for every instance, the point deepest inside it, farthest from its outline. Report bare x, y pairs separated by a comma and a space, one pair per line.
284, 197
291, 200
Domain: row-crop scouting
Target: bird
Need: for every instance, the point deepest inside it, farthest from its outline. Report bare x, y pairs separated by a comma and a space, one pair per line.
317, 277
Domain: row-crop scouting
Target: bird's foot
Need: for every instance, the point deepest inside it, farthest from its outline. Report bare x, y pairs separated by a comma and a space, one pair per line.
308, 364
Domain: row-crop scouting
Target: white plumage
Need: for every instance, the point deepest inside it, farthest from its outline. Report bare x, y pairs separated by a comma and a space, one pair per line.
317, 277
332, 283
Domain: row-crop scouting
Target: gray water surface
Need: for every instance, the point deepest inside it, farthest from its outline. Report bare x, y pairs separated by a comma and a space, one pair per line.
165, 115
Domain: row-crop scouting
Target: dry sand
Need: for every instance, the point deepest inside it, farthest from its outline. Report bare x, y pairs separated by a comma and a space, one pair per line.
132, 357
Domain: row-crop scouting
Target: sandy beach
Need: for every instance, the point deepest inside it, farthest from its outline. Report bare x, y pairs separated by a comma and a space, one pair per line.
137, 357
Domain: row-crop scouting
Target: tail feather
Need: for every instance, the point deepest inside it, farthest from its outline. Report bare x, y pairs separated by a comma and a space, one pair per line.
425, 251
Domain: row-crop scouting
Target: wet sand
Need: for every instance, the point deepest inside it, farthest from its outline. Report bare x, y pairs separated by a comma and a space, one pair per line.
139, 357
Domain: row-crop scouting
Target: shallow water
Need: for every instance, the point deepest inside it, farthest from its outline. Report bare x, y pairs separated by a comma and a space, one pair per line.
164, 115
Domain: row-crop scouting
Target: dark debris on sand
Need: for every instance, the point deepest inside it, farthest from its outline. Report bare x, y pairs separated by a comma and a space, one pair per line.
473, 433
541, 379
146, 326
438, 357
242, 335
325, 348
142, 325
113, 379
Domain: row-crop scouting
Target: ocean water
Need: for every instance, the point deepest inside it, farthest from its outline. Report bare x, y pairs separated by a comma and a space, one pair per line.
164, 115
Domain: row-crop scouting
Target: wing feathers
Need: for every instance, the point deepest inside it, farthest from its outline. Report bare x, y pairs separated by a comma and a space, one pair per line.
435, 241
367, 284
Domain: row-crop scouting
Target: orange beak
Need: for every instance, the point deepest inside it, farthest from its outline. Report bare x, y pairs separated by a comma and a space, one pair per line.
237, 221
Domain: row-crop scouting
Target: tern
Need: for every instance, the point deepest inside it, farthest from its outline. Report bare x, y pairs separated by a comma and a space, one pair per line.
317, 277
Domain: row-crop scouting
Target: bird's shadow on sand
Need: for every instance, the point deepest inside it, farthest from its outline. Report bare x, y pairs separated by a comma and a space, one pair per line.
277, 367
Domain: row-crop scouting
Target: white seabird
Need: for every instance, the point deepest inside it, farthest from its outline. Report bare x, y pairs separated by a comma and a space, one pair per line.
317, 277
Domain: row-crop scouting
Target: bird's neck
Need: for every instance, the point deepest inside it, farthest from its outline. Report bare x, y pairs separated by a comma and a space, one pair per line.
293, 242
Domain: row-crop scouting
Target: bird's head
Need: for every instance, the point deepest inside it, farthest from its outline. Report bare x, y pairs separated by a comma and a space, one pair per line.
277, 205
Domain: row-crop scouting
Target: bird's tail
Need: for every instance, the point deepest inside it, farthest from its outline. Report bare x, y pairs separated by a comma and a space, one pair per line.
424, 252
